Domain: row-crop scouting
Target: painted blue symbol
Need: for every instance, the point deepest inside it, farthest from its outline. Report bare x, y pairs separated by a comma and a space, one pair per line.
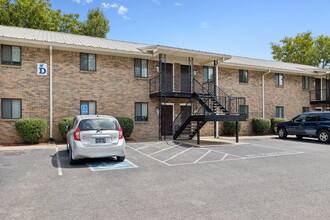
84, 109
111, 165
42, 69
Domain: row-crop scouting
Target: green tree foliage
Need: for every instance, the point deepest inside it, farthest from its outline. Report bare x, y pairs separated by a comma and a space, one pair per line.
303, 49
97, 24
37, 14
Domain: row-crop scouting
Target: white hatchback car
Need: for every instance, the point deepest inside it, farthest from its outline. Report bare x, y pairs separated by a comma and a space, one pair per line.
95, 136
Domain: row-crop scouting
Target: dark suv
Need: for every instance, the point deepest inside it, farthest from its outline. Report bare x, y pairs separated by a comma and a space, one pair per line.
308, 124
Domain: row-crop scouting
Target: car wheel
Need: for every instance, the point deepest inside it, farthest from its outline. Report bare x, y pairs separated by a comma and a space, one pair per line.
324, 136
67, 148
299, 137
282, 133
72, 161
120, 159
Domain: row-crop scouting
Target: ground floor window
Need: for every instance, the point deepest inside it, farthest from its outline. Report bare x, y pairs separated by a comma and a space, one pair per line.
141, 111
11, 108
305, 109
279, 112
244, 110
88, 107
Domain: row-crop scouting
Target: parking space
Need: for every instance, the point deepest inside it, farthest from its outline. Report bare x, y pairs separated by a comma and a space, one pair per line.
261, 178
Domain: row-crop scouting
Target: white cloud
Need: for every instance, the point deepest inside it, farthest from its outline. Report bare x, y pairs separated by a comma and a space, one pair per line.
105, 5
204, 25
122, 10
83, 1
88, 1
113, 5
156, 1
178, 4
126, 18
77, 1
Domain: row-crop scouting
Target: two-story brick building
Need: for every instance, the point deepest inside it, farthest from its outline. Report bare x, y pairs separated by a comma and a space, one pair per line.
166, 91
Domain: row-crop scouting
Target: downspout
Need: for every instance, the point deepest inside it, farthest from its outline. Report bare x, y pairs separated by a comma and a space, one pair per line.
216, 64
50, 92
263, 93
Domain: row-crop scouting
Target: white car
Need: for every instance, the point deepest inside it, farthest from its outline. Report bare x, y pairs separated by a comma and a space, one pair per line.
95, 136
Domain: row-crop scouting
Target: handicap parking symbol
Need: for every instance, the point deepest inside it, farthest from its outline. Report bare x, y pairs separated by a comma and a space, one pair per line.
111, 165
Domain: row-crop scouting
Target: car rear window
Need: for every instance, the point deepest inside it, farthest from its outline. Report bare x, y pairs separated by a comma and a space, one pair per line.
98, 124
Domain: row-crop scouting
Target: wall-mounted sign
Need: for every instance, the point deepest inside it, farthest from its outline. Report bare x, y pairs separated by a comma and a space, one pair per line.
41, 69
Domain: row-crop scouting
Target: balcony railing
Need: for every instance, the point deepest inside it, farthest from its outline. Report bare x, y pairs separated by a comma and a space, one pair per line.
321, 95
174, 84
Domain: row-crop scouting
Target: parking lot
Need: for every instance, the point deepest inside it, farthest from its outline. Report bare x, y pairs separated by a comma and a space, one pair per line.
260, 178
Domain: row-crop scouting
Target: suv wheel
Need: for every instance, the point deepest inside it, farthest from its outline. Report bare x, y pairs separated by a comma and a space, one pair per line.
282, 133
324, 136
299, 137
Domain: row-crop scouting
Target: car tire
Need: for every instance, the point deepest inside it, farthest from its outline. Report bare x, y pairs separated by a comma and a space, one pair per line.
299, 137
323, 136
67, 148
282, 133
120, 159
72, 161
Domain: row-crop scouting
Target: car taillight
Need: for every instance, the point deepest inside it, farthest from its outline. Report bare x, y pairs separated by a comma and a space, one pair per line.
121, 135
76, 134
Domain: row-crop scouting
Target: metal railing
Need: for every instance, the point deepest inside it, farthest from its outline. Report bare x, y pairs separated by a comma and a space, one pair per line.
319, 95
170, 84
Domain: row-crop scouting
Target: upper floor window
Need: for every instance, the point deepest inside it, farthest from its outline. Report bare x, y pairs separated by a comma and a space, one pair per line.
141, 111
88, 107
279, 79
87, 62
244, 110
243, 76
10, 55
305, 82
11, 108
140, 68
279, 112
209, 74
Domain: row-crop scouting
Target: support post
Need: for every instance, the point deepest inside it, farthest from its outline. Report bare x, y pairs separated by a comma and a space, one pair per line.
236, 131
216, 67
198, 134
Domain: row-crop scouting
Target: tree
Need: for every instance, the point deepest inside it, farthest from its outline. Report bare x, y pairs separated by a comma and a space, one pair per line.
97, 24
38, 14
303, 49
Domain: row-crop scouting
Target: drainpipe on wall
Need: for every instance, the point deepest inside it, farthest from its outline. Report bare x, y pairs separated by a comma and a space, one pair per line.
50, 92
263, 93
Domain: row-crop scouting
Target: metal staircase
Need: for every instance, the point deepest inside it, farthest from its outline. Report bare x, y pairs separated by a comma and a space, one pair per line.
208, 103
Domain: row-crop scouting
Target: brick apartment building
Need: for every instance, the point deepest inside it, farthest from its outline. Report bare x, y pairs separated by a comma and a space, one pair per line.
166, 91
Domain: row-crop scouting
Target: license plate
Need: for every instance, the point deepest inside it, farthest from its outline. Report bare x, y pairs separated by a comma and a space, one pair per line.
100, 140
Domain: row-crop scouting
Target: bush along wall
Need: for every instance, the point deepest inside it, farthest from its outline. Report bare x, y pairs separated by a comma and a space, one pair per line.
260, 125
62, 124
127, 125
229, 127
31, 130
274, 122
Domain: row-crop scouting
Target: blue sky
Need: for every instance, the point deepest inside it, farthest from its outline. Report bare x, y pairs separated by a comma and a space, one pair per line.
235, 27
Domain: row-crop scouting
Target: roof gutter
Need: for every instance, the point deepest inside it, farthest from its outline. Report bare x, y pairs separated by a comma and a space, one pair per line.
263, 93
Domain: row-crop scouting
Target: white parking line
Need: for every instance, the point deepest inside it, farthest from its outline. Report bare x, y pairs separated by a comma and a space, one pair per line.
162, 150
59, 169
178, 154
223, 157
140, 148
202, 156
149, 156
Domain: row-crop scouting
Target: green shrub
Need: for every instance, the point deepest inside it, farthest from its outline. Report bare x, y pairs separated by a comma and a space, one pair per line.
230, 127
67, 121
127, 125
31, 130
260, 125
274, 121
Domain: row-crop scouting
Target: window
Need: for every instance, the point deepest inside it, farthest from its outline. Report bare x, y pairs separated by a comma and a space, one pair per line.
305, 82
243, 76
305, 109
10, 55
11, 108
88, 107
208, 74
141, 111
87, 62
313, 117
279, 112
300, 118
244, 110
326, 117
279, 79
140, 68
